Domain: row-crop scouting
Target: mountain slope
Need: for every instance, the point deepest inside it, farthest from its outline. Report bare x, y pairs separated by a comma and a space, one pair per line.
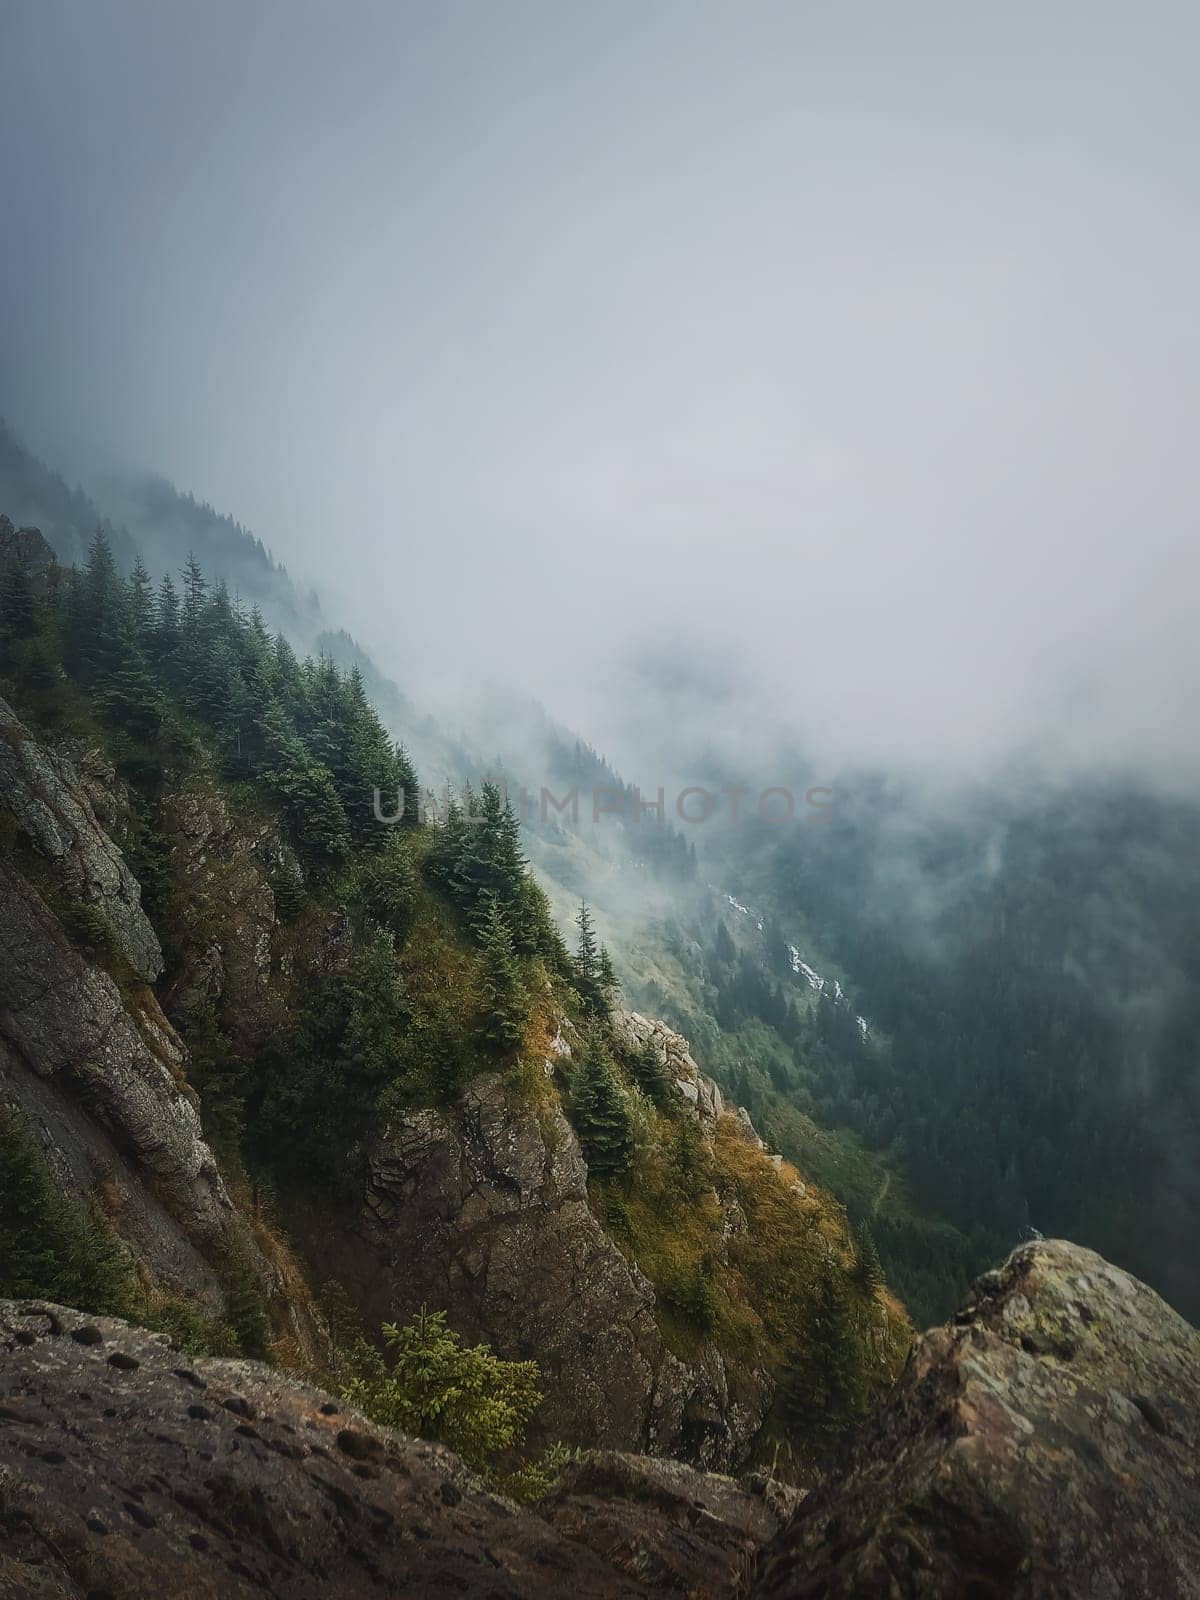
367, 1034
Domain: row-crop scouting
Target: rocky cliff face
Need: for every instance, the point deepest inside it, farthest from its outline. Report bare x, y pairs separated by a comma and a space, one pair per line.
1044, 1444
227, 920
100, 1073
1042, 1447
484, 1212
26, 545
48, 800
694, 1087
93, 1062
481, 1210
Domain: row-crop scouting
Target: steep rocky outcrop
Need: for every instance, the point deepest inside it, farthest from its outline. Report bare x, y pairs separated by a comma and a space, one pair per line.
128, 1471
27, 546
672, 1528
93, 1063
51, 808
107, 1092
227, 918
484, 1212
1043, 1445
699, 1091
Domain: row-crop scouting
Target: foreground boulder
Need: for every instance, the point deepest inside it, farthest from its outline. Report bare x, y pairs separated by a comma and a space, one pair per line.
1044, 1445
130, 1471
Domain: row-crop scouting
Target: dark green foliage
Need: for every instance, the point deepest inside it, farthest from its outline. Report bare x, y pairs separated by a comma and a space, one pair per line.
505, 1003
245, 1311
824, 1391
190, 1331
477, 859
601, 1115
18, 608
91, 930
390, 886
689, 1293
606, 974
588, 978
647, 1066
316, 1084
49, 1248
690, 1160
868, 1273
288, 890
160, 664
221, 1078
132, 699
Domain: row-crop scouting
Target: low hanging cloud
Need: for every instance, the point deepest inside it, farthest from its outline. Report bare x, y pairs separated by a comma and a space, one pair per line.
803, 374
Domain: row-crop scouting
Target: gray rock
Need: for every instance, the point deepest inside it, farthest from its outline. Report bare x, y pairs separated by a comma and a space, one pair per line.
106, 1087
484, 1213
223, 870
51, 806
673, 1528
128, 1470
25, 545
635, 1031
1042, 1447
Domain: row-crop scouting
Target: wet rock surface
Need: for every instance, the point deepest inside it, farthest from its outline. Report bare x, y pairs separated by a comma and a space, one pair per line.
129, 1470
666, 1525
1042, 1445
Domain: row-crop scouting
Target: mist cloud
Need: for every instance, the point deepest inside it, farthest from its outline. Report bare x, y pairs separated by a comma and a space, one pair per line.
841, 361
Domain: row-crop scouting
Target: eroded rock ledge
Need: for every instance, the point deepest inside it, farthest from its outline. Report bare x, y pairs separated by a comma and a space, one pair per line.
1042, 1447
128, 1470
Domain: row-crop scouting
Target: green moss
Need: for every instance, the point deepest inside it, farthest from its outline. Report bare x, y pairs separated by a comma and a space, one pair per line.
90, 931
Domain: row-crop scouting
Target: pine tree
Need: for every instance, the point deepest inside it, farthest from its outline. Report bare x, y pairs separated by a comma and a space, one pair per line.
131, 699
165, 638
48, 1249
601, 1115
140, 601
690, 1160
504, 999
195, 587
442, 861
605, 974
18, 608
491, 862
587, 963
868, 1273
648, 1069
102, 612
389, 882
825, 1390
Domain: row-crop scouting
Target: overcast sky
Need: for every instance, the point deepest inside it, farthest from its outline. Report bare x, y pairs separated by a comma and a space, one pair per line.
826, 363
